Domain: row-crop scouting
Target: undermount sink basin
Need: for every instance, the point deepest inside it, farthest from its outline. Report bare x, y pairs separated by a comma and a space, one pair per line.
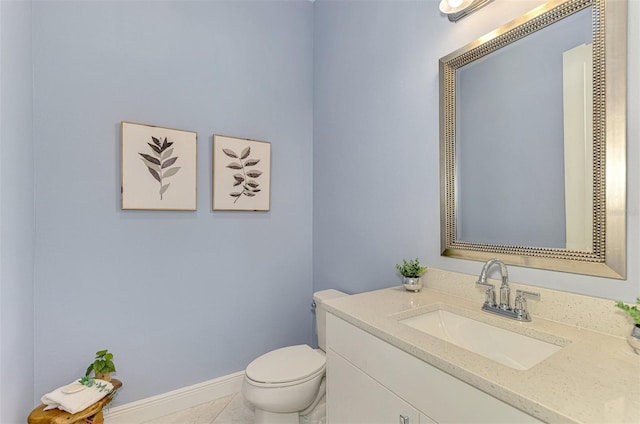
506, 347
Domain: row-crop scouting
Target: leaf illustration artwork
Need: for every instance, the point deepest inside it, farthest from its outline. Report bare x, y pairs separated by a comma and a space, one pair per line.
159, 162
250, 187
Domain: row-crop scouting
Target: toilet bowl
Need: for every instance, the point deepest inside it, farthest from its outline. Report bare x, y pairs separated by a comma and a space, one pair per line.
288, 382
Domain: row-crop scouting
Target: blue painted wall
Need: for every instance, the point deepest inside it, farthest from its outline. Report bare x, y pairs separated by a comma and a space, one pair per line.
179, 297
528, 208
346, 89
16, 213
376, 143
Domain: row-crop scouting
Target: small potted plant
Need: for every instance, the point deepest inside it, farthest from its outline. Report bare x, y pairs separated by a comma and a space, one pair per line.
411, 272
102, 366
634, 313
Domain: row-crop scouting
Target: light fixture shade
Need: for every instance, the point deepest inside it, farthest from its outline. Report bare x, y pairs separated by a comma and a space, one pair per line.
454, 6
458, 9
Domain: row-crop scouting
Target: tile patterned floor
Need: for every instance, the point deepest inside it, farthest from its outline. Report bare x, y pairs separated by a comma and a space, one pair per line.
231, 409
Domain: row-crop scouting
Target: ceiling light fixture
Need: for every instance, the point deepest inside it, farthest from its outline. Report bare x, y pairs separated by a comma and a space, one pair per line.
458, 9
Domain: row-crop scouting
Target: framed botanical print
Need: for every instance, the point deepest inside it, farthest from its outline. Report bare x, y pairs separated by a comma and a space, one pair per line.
158, 168
241, 174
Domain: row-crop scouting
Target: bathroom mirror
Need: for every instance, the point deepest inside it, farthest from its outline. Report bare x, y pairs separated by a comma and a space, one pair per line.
533, 141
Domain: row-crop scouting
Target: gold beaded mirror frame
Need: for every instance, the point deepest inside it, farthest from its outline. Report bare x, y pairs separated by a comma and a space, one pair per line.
607, 257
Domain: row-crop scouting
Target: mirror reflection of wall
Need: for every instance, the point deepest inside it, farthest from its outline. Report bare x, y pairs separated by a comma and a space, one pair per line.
577, 66
510, 153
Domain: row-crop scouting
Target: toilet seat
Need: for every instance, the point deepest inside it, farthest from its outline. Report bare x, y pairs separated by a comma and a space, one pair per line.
286, 366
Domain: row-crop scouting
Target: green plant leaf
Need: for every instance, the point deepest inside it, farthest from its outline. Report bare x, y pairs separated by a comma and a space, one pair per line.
102, 364
632, 311
411, 269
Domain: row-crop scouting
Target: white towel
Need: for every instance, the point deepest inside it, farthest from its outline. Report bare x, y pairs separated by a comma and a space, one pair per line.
77, 401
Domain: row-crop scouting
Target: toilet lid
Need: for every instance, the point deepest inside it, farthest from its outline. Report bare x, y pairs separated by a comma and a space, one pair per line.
286, 364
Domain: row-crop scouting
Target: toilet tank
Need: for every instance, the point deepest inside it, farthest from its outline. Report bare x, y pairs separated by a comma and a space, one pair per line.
319, 298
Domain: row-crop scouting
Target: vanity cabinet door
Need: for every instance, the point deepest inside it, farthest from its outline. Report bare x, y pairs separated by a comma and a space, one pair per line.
355, 398
412, 381
426, 420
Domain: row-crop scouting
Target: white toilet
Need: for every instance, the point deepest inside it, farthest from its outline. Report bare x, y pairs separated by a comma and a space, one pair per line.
288, 382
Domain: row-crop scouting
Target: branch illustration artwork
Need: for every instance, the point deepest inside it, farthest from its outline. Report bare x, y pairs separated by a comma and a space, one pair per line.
158, 168
159, 163
250, 187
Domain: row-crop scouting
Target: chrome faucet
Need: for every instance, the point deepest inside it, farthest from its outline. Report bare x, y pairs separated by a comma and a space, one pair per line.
504, 287
519, 311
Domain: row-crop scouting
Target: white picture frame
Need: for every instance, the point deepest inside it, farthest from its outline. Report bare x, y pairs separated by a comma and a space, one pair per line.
241, 174
159, 168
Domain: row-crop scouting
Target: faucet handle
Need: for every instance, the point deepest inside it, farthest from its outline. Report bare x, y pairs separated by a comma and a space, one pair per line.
490, 294
530, 295
520, 306
488, 285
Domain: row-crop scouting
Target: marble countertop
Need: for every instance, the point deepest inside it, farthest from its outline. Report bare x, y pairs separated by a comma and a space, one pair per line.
594, 378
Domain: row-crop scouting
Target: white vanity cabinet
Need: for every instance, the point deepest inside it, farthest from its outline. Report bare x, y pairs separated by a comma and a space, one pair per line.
370, 381
356, 398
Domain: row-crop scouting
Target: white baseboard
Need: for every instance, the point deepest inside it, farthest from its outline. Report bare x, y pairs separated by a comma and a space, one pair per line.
174, 401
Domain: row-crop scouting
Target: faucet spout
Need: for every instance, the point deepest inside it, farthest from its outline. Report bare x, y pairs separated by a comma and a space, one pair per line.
505, 291
503, 271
